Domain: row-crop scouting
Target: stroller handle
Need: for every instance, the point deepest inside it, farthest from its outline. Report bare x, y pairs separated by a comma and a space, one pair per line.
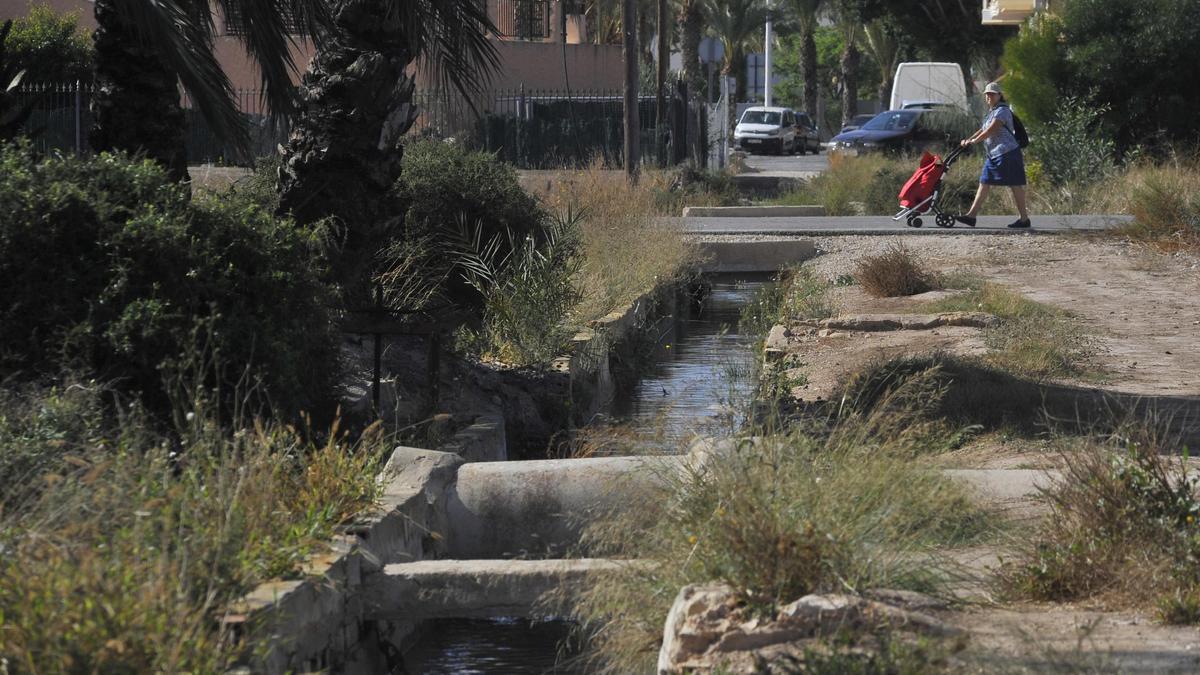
950, 158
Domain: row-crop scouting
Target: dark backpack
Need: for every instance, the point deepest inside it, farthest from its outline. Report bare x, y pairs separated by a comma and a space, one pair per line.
1019, 132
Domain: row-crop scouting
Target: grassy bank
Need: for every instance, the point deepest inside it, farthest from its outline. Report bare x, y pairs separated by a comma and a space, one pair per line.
625, 251
1033, 340
123, 544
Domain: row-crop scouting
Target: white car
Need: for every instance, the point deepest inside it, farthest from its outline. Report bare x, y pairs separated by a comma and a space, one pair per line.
764, 130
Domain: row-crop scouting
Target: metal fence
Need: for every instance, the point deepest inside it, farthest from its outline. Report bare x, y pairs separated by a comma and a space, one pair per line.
61, 119
538, 128
530, 128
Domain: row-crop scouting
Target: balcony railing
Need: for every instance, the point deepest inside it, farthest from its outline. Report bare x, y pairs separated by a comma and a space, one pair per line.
1010, 12
523, 19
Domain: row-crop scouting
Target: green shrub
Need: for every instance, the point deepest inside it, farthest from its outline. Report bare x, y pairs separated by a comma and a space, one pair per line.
110, 268
1070, 148
445, 185
50, 47
529, 290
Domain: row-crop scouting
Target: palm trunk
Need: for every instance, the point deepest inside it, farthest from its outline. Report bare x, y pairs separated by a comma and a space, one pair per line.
737, 66
692, 20
136, 106
808, 69
660, 103
345, 151
850, 58
645, 38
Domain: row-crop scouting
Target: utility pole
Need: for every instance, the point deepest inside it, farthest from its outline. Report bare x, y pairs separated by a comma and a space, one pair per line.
664, 58
767, 61
632, 130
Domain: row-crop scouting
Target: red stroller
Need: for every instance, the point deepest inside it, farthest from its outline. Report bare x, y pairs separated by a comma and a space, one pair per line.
920, 194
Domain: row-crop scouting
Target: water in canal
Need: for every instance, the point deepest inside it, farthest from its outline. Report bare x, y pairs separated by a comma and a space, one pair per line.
509, 646
697, 380
700, 378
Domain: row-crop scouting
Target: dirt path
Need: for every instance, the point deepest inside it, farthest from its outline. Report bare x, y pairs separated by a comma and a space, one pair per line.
1144, 307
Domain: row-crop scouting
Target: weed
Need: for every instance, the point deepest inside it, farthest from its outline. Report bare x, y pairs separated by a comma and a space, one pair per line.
1123, 527
1165, 203
139, 540
1034, 339
796, 293
895, 272
815, 510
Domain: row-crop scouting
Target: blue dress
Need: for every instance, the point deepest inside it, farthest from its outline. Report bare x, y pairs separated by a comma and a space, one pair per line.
1004, 163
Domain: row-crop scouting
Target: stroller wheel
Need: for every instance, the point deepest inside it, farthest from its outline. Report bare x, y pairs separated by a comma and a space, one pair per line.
915, 222
944, 220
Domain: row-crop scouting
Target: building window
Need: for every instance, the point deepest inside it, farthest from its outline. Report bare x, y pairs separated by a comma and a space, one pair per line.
235, 21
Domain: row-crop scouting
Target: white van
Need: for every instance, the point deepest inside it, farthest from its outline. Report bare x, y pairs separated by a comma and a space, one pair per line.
923, 84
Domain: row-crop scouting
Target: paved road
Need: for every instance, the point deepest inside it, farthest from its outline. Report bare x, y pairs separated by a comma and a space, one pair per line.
788, 165
814, 225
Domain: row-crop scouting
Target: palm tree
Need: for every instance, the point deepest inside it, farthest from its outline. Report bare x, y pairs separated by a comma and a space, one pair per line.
885, 49
806, 13
691, 22
848, 17
736, 23
146, 48
356, 102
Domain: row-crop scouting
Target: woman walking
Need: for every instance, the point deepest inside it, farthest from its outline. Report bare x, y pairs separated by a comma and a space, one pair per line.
1004, 163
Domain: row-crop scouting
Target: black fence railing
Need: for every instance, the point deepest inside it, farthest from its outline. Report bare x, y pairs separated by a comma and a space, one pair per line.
61, 119
532, 128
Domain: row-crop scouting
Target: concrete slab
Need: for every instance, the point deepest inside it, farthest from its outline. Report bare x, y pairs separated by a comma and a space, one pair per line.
754, 256
476, 588
538, 508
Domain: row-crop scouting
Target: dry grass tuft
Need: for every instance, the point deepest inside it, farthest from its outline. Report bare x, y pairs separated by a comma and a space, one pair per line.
627, 251
895, 272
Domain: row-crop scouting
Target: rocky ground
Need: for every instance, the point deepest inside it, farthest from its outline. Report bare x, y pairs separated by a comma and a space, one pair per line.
1143, 307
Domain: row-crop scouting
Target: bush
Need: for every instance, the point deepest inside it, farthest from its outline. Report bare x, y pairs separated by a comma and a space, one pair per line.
529, 294
123, 547
895, 272
109, 267
445, 185
1069, 148
1165, 203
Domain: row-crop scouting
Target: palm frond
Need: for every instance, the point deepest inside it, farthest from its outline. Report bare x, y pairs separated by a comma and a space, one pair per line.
268, 42
450, 40
183, 36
